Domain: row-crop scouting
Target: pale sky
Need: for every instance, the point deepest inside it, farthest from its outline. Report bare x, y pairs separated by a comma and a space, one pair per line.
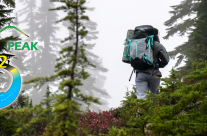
114, 18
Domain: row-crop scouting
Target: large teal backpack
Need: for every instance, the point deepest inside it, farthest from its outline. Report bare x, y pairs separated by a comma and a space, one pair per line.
138, 49
138, 52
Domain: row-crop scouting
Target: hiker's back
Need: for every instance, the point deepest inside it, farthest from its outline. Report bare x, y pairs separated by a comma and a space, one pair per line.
146, 55
161, 59
143, 51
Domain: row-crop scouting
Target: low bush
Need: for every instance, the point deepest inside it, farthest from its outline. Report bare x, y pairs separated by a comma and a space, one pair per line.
97, 123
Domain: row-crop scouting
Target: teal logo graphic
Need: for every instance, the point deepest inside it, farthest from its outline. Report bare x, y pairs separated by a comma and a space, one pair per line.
12, 27
9, 96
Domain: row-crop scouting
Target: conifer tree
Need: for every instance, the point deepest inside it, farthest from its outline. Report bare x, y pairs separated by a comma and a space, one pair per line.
199, 35
21, 102
185, 8
40, 23
47, 95
29, 11
94, 84
70, 71
189, 49
47, 34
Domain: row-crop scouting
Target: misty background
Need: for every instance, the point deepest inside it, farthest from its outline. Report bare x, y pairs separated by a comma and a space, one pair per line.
108, 25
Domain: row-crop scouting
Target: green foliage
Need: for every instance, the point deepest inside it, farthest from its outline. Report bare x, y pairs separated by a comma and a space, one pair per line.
122, 132
15, 116
117, 132
179, 108
8, 126
133, 123
21, 102
70, 71
31, 120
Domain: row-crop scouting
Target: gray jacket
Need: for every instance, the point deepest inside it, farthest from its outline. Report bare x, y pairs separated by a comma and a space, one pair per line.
161, 57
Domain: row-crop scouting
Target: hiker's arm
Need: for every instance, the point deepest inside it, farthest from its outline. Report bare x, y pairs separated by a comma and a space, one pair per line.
163, 57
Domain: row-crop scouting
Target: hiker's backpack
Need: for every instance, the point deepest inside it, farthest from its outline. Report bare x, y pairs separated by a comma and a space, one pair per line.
138, 47
126, 54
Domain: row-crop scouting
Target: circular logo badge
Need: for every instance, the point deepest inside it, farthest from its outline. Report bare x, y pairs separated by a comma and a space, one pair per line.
8, 97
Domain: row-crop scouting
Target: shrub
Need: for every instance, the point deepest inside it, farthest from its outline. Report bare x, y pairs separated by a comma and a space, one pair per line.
97, 123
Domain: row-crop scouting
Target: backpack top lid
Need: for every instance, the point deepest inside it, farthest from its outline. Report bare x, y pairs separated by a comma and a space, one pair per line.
143, 27
142, 31
155, 31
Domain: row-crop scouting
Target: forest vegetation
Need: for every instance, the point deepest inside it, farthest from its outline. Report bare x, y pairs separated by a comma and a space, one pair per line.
180, 109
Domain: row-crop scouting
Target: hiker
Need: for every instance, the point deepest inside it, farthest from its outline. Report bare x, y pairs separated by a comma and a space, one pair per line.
145, 79
146, 55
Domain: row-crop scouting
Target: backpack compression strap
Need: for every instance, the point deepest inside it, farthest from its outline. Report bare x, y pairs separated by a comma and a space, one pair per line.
125, 41
150, 42
128, 48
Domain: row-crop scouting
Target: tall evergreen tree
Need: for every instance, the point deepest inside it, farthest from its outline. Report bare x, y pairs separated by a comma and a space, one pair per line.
185, 8
70, 70
29, 11
47, 35
94, 84
47, 95
199, 35
189, 8
41, 28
